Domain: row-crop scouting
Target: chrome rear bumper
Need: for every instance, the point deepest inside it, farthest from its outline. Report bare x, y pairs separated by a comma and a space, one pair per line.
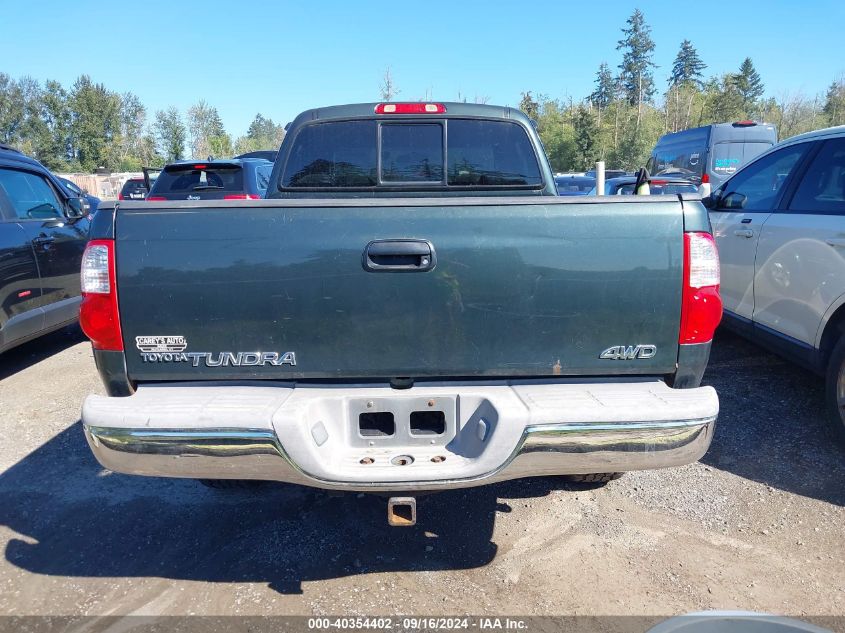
550, 429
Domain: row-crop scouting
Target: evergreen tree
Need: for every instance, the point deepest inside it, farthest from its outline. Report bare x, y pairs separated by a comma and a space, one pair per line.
723, 100
530, 106
262, 133
586, 137
834, 103
688, 67
605, 89
748, 85
261, 128
636, 69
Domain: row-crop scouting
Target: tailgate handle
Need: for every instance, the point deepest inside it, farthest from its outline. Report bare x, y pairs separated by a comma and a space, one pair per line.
401, 256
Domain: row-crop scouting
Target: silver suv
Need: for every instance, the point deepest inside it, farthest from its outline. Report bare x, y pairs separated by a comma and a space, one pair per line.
779, 224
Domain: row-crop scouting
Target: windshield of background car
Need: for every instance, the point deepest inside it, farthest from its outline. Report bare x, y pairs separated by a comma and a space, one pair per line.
188, 178
72, 186
687, 163
368, 153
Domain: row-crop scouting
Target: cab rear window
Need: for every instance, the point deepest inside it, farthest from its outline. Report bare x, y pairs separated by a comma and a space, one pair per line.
188, 177
412, 153
370, 153
334, 154
490, 153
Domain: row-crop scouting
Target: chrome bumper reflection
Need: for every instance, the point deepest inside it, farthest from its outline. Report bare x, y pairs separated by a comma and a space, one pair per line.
549, 449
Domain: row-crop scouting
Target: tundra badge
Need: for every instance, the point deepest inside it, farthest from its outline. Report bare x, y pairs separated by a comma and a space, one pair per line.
171, 349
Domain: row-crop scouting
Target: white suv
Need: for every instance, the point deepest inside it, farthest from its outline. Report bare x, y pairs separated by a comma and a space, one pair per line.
779, 224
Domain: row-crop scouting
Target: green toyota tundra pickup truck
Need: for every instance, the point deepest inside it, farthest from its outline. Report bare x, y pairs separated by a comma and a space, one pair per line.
411, 308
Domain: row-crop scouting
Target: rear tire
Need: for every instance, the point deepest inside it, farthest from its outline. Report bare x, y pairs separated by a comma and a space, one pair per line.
835, 390
594, 478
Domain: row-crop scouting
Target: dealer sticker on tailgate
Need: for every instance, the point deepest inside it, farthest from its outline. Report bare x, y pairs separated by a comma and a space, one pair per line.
161, 343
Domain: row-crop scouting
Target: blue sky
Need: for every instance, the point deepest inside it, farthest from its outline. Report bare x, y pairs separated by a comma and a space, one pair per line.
279, 58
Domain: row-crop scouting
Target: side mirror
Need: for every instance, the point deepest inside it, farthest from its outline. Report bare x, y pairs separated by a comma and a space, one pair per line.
77, 208
733, 201
712, 200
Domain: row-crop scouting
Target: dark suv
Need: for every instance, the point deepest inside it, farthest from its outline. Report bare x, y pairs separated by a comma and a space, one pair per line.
43, 233
133, 189
234, 179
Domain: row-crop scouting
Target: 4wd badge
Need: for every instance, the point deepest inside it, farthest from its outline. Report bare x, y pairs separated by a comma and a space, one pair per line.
629, 352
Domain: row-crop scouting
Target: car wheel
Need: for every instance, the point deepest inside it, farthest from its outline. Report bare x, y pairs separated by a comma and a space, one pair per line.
835, 389
594, 478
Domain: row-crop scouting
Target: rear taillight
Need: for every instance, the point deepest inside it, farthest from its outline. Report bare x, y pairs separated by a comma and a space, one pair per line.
410, 108
156, 198
241, 196
120, 196
701, 307
705, 178
98, 314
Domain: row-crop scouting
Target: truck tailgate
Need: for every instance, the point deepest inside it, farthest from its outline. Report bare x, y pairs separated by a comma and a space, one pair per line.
277, 289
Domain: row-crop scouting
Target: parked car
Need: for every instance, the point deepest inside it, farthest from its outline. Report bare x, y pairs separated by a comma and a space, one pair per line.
574, 185
412, 307
780, 227
76, 191
234, 179
43, 232
624, 186
710, 154
133, 189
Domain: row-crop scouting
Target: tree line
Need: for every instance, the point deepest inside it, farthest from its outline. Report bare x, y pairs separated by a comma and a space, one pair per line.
88, 126
621, 120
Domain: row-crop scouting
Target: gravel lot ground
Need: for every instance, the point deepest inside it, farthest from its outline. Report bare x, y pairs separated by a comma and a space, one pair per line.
758, 524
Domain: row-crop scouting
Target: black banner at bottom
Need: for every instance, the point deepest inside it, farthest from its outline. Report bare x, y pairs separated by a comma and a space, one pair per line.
695, 623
